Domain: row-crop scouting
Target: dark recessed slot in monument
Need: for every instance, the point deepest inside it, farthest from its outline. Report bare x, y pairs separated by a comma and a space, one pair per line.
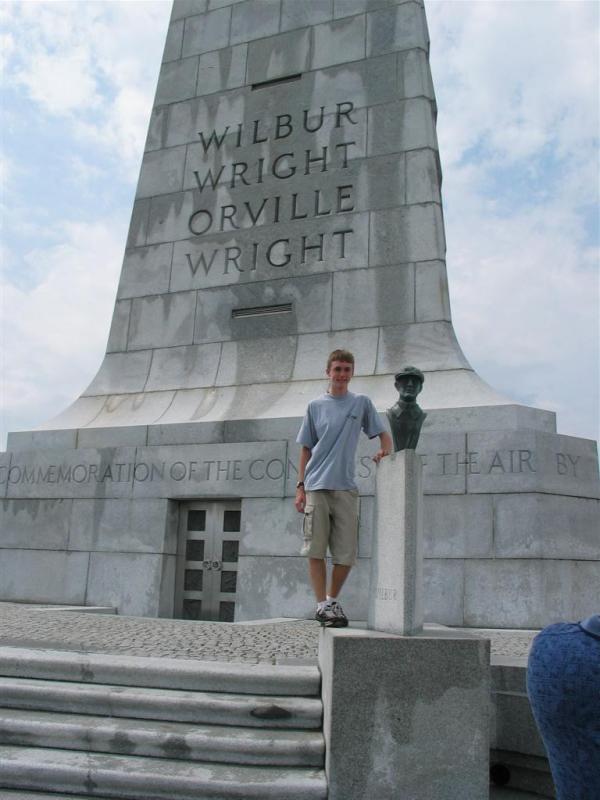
232, 520
261, 311
196, 520
226, 611
273, 81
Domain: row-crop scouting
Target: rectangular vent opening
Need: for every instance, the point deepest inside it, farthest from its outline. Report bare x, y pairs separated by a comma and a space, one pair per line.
274, 81
261, 311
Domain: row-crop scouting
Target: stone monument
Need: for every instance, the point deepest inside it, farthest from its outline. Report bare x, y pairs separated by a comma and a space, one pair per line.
288, 203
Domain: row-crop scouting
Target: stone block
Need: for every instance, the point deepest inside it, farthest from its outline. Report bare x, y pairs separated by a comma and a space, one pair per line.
134, 526
41, 440
177, 81
35, 524
431, 345
301, 15
426, 702
257, 361
138, 227
186, 433
204, 32
443, 582
400, 28
156, 137
423, 177
386, 296
345, 8
396, 588
146, 270
458, 526
254, 19
161, 172
546, 526
431, 292
184, 367
222, 69
410, 233
80, 413
260, 430
213, 112
533, 461
185, 8
113, 437
528, 593
270, 527
310, 298
162, 320
134, 583
169, 216
133, 409
285, 54
380, 182
172, 50
117, 338
313, 349
338, 41
414, 75
211, 470
271, 586
498, 417
121, 372
104, 472
43, 576
402, 125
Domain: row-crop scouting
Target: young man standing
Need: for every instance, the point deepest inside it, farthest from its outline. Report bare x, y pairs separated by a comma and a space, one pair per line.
326, 492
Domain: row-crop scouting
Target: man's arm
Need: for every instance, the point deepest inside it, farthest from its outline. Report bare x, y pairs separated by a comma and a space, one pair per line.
300, 500
385, 446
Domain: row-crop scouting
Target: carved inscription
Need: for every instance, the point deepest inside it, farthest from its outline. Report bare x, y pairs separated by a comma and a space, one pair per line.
283, 206
385, 593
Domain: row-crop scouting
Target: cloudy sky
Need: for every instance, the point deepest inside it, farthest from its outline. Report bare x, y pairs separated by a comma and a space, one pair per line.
517, 87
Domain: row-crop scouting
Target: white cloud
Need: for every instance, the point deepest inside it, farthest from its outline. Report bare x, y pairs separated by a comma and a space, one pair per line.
58, 330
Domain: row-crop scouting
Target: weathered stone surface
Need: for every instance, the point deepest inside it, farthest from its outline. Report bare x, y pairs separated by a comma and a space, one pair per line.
174, 40
35, 524
222, 69
254, 20
396, 587
121, 372
426, 702
208, 470
177, 81
135, 584
142, 526
403, 125
386, 296
43, 576
361, 342
443, 596
256, 361
271, 527
396, 29
186, 8
162, 320
458, 526
204, 32
117, 338
309, 12
432, 345
184, 367
162, 172
528, 593
410, 233
545, 526
285, 54
146, 270
431, 292
338, 41
107, 472
112, 437
43, 440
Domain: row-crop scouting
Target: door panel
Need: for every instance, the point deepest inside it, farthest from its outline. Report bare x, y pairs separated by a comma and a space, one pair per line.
209, 536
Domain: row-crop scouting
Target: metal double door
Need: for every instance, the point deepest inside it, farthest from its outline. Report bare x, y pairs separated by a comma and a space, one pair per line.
209, 536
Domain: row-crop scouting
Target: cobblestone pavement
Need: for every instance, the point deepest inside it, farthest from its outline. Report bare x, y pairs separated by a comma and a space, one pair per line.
271, 641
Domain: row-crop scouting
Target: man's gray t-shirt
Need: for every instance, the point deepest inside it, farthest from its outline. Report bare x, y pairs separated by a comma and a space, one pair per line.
330, 429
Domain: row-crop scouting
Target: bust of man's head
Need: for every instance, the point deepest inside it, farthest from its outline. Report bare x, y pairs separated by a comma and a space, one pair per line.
409, 382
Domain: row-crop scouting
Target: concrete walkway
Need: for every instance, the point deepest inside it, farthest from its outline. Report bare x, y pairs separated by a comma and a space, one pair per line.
282, 641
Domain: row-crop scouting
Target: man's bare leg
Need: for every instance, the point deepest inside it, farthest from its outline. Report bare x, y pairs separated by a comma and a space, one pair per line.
317, 569
338, 576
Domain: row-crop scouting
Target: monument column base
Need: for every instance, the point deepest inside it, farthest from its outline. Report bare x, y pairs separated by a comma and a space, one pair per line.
405, 716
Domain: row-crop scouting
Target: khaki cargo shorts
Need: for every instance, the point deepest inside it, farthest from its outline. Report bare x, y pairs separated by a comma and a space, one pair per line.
331, 520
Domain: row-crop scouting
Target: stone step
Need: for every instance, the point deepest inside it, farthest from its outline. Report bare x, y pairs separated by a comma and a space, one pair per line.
174, 740
167, 673
18, 794
218, 708
135, 778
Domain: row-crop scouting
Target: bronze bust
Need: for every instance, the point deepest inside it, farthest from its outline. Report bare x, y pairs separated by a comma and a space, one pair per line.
406, 417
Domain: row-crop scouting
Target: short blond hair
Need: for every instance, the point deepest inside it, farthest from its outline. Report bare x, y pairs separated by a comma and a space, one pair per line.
340, 355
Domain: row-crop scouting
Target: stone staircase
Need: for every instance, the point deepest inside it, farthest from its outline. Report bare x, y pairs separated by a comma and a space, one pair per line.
76, 725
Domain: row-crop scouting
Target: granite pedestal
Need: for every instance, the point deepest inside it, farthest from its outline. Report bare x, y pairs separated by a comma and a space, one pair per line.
405, 716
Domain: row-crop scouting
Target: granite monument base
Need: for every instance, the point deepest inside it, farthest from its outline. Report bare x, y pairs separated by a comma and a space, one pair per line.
396, 595
405, 716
